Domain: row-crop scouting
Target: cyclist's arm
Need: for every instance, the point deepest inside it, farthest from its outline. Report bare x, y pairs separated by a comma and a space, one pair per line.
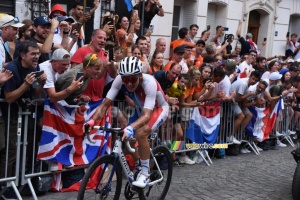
102, 109
143, 120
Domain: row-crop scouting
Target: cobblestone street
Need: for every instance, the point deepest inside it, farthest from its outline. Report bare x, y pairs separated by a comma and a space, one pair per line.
246, 176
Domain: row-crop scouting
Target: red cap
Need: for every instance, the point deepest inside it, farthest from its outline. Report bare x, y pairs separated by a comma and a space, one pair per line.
57, 7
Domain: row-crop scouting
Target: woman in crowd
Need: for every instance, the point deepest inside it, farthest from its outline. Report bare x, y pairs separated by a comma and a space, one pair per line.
122, 32
157, 62
205, 71
273, 67
137, 52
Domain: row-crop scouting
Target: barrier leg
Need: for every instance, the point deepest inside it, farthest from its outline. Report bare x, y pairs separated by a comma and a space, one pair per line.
208, 157
203, 157
16, 190
31, 189
289, 139
256, 148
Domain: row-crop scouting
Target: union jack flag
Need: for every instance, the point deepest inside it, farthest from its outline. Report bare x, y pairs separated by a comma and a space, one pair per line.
62, 139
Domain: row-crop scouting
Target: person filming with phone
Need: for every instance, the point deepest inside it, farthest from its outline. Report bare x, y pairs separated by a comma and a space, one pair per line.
81, 74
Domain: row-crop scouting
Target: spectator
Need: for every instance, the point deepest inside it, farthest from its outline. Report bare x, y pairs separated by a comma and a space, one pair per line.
183, 39
137, 52
95, 88
53, 69
57, 11
217, 38
5, 75
91, 68
200, 45
23, 84
57, 39
177, 57
228, 49
79, 16
143, 45
242, 116
43, 35
200, 88
167, 78
186, 62
245, 45
253, 45
260, 65
160, 45
273, 67
193, 32
152, 8
292, 46
25, 32
157, 62
9, 26
122, 32
205, 35
245, 68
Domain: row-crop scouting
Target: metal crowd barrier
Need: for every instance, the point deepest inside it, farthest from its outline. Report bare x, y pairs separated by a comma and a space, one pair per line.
172, 130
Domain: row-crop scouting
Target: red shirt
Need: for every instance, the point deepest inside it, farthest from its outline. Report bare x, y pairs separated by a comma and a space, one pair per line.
95, 86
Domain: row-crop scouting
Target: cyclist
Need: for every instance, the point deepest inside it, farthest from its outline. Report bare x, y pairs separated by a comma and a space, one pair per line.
150, 112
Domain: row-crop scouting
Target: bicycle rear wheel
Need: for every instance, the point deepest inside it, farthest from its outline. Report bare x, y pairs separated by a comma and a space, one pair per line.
96, 179
159, 190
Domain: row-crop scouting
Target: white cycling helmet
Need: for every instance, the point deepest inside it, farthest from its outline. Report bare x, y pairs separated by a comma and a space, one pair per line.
130, 66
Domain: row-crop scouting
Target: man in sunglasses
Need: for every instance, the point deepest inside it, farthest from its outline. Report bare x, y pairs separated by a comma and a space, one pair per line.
9, 26
151, 109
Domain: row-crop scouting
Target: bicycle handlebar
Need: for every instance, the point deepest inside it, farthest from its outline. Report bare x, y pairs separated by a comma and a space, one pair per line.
117, 131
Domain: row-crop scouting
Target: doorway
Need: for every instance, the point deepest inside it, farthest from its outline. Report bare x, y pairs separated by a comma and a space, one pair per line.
254, 24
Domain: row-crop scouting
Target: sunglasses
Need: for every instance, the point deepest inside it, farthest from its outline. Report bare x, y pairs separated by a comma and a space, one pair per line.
131, 80
16, 20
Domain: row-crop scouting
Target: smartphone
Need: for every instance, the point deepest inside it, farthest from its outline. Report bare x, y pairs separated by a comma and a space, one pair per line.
265, 39
288, 34
38, 73
151, 27
76, 26
208, 28
209, 79
78, 75
111, 54
87, 10
225, 28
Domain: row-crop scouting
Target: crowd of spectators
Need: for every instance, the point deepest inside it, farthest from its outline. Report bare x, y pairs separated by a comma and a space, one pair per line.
43, 58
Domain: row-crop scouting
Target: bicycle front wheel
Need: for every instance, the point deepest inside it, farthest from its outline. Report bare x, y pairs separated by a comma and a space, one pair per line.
102, 180
159, 190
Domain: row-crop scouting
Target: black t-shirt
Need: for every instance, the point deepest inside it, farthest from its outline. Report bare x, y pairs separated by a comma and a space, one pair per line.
148, 16
246, 47
161, 77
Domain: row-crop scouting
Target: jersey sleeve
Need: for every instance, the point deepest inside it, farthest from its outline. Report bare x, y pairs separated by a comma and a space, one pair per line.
115, 87
150, 92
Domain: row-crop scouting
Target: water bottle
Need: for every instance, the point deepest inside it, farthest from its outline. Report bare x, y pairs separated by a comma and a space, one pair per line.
130, 162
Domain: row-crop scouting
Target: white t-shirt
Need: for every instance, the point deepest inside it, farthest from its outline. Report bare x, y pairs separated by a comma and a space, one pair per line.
225, 85
240, 86
57, 40
244, 67
184, 66
51, 75
149, 95
266, 75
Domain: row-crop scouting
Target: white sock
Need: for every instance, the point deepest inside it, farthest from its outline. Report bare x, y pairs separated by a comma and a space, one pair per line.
145, 167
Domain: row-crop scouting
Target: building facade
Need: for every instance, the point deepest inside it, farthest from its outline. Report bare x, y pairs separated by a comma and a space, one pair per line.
270, 19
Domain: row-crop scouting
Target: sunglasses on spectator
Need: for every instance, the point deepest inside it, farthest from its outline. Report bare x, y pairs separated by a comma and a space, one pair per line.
131, 80
16, 20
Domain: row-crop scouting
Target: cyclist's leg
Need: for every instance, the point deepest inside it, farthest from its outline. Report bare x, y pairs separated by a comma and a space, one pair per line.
159, 115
